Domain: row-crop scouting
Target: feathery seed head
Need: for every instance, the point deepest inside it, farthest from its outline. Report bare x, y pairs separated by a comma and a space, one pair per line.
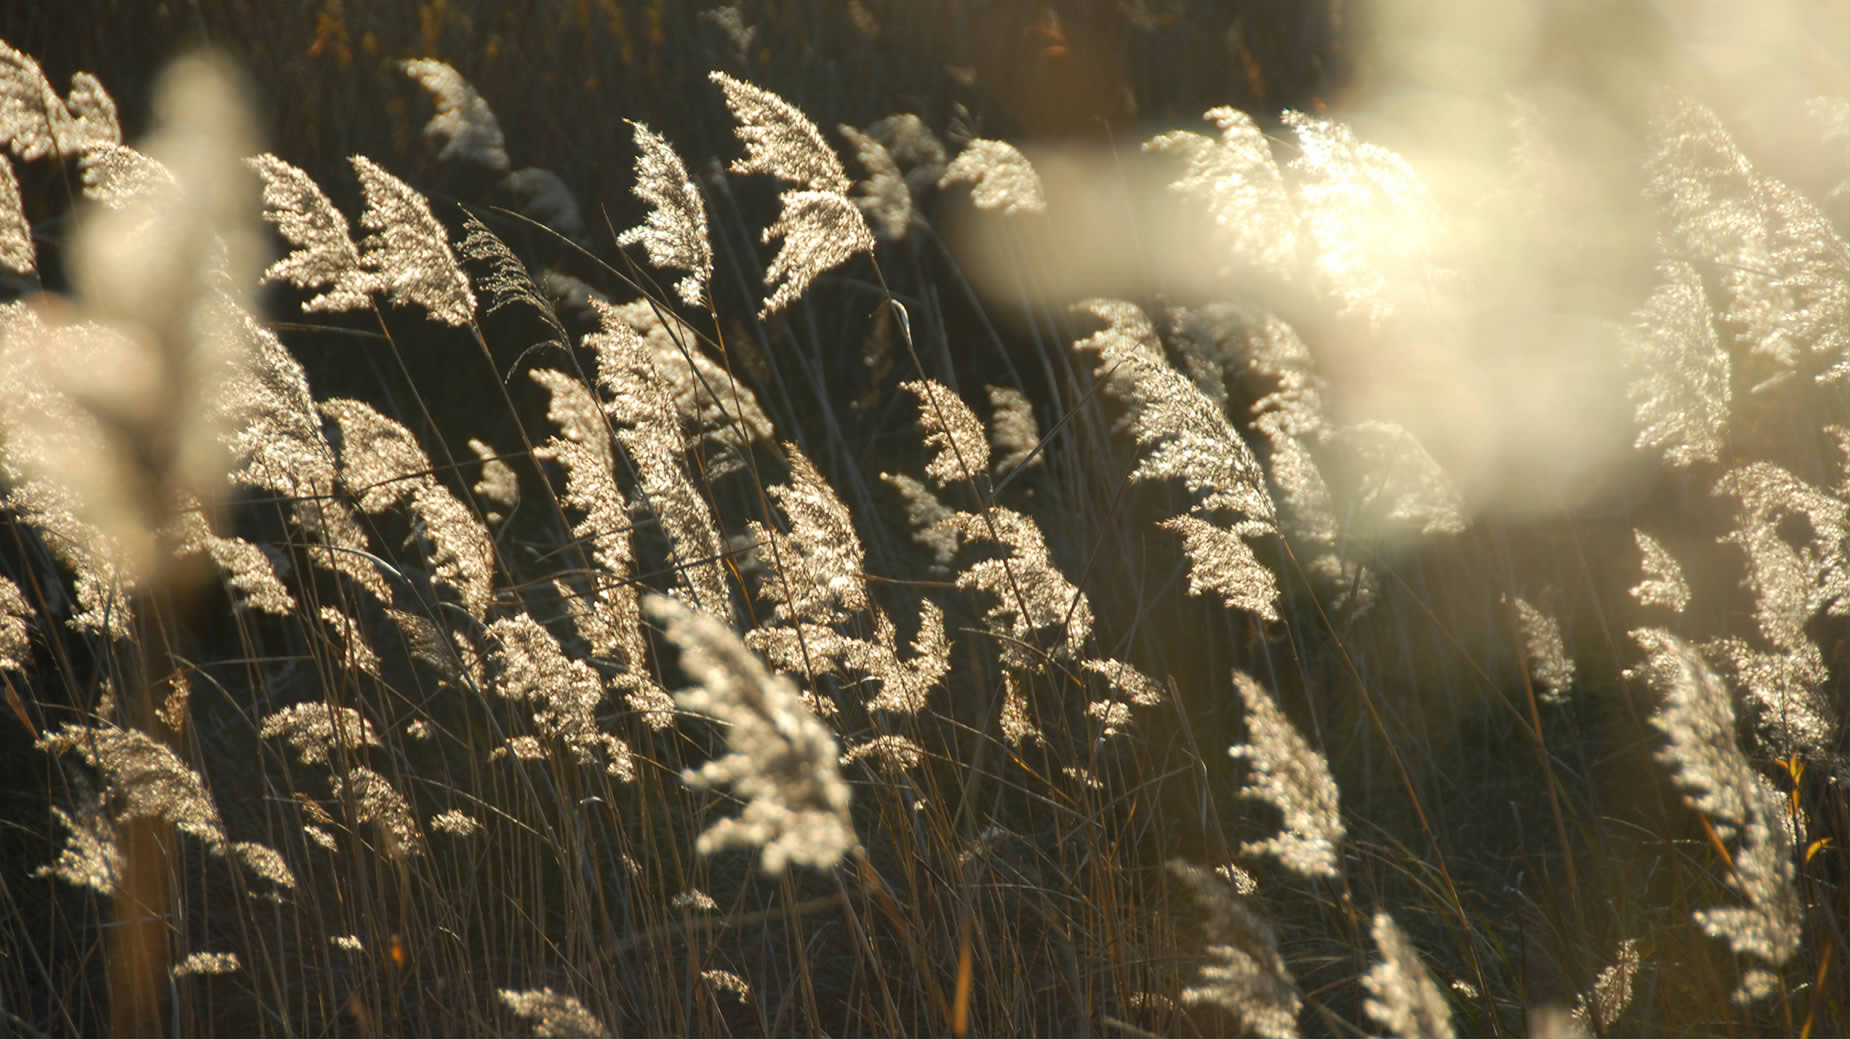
675, 230
782, 759
464, 122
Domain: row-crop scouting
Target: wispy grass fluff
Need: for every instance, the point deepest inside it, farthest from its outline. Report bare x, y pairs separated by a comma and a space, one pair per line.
1402, 487
960, 449
820, 226
408, 253
370, 799
884, 197
999, 175
456, 727
54, 478
1013, 431
1783, 675
145, 779
1294, 421
647, 423
407, 256
1744, 809
383, 467
562, 694
715, 407
1783, 268
780, 141
324, 255
503, 279
1681, 390
1247, 975
675, 230
15, 627
464, 122
1237, 179
116, 177
36, 123
116, 408
1129, 688
814, 577
1030, 593
782, 760
1370, 215
16, 249
1544, 651
1184, 436
1612, 991
206, 963
352, 647
1664, 584
110, 417
278, 445
553, 1014
817, 566
246, 570
904, 161
90, 857
544, 197
1296, 779
1401, 995
610, 617
317, 729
